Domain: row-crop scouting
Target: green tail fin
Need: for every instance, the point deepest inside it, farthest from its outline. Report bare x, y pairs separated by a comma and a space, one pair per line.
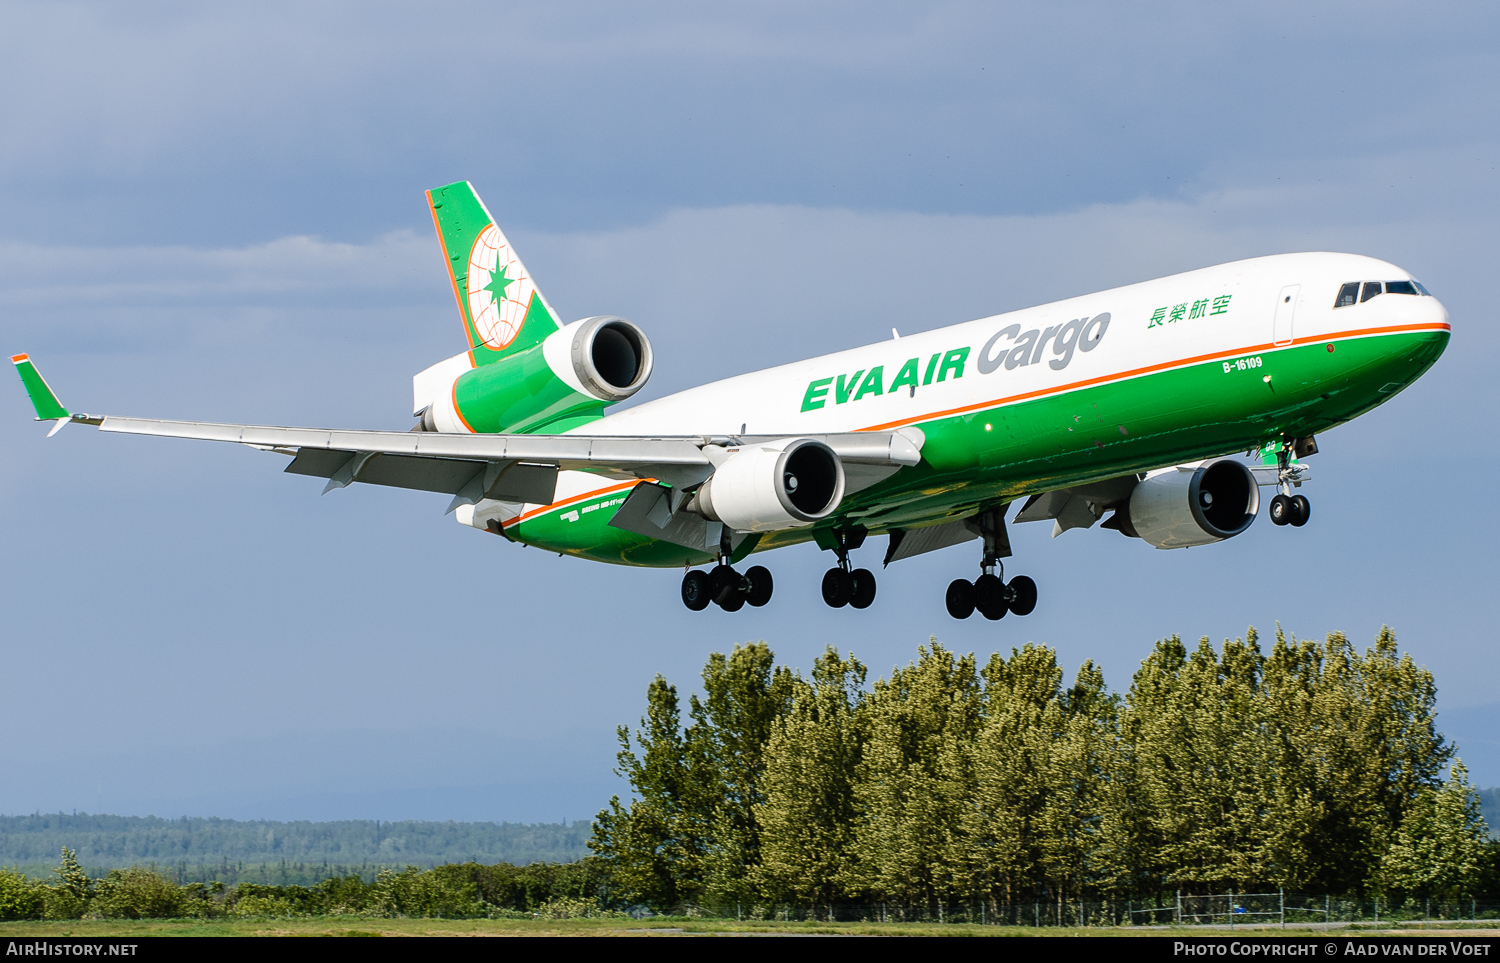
43, 398
503, 312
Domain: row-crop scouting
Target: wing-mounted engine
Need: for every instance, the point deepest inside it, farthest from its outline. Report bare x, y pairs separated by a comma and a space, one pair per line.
1194, 505
559, 383
769, 487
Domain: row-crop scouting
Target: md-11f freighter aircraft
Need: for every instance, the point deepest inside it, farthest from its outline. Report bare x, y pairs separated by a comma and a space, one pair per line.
1126, 403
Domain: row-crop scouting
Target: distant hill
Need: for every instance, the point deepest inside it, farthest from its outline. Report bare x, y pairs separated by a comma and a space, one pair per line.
106, 842
1489, 804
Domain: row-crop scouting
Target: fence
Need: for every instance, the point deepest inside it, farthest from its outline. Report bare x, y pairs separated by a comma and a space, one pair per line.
1178, 909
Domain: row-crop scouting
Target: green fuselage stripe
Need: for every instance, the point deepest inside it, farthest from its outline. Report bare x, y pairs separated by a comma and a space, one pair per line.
1131, 422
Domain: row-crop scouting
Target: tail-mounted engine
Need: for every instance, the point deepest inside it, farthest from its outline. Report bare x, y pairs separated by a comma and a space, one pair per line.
766, 488
610, 356
1181, 507
559, 383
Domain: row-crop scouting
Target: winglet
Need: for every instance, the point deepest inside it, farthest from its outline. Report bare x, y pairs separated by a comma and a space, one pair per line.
43, 398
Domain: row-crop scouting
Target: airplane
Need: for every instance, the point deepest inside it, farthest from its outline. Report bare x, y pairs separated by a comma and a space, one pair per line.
1135, 402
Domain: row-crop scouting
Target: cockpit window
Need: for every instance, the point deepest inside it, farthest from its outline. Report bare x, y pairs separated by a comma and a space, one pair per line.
1351, 292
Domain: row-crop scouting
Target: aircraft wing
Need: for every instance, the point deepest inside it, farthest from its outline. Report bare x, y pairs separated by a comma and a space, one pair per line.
508, 467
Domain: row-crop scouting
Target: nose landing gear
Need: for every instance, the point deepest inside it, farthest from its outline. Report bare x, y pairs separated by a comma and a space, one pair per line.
1294, 511
1286, 508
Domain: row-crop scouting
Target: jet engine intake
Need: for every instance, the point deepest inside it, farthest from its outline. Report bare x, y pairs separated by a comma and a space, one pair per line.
610, 356
1178, 508
766, 488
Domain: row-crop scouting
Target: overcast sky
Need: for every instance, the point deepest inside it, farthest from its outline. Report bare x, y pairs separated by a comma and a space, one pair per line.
216, 212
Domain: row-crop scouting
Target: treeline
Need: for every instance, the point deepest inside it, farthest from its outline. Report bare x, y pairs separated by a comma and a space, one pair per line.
191, 844
1312, 767
467, 890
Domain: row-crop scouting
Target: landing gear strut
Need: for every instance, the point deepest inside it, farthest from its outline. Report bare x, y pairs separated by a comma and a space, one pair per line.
843, 587
722, 584
1286, 508
990, 594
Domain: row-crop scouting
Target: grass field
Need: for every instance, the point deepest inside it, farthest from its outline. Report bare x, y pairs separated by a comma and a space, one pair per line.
361, 926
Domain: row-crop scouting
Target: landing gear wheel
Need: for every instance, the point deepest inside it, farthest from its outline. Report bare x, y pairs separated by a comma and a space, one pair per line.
760, 585
1281, 510
734, 603
989, 596
960, 598
697, 590
864, 588
838, 587
1301, 510
1022, 593
725, 583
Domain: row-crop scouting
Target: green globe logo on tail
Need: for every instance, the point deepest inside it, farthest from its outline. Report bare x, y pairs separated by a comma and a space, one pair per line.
498, 288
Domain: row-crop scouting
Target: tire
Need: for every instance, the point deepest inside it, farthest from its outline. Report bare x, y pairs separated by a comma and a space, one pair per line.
1281, 510
989, 597
734, 603
838, 587
725, 582
1301, 510
864, 588
1022, 593
697, 590
960, 598
760, 585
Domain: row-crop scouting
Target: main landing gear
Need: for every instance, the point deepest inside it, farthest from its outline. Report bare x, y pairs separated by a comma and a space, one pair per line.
990, 594
1286, 508
843, 587
724, 586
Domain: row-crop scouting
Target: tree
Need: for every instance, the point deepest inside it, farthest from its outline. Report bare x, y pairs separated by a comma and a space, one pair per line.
691, 832
910, 804
20, 897
653, 845
1438, 846
1035, 769
743, 695
69, 897
807, 813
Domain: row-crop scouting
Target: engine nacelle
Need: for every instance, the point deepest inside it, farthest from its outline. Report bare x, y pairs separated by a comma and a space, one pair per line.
1178, 508
767, 488
609, 357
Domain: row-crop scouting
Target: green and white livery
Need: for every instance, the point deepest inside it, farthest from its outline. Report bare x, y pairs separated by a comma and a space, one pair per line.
1126, 408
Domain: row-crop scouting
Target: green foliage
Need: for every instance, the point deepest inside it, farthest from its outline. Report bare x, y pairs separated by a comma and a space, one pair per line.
218, 847
692, 831
68, 898
1437, 849
1313, 767
807, 811
455, 890
21, 898
138, 893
